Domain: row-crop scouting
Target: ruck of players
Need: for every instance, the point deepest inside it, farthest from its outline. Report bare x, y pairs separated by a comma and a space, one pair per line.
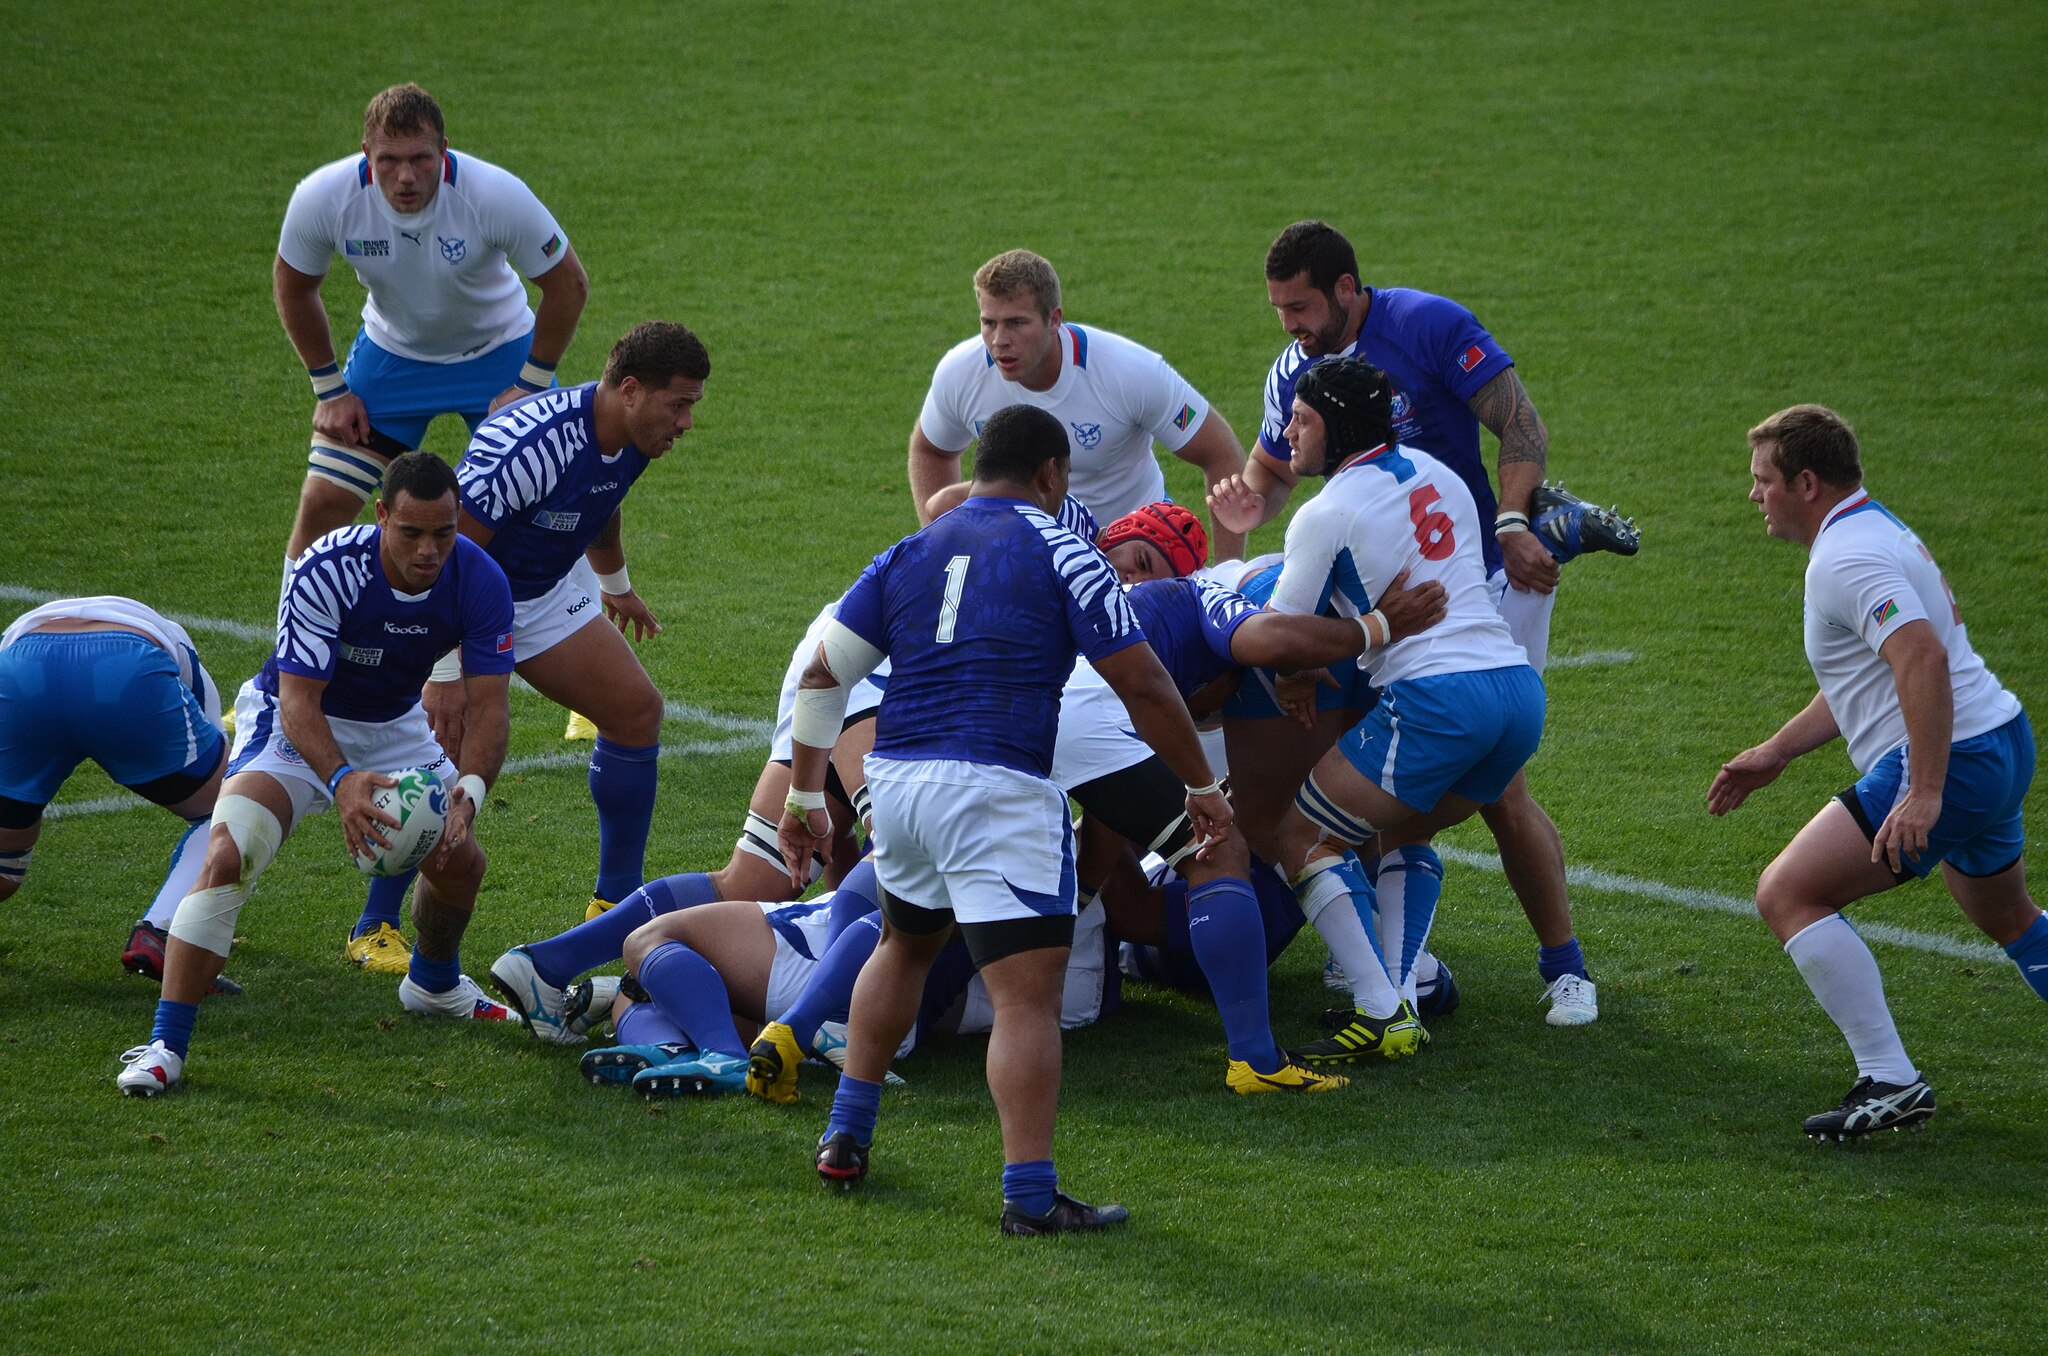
1063, 740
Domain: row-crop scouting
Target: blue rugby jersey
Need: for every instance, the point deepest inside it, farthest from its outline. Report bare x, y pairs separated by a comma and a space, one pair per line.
533, 475
1189, 623
1437, 355
981, 615
343, 622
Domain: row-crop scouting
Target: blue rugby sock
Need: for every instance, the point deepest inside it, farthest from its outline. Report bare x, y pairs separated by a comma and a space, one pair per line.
622, 781
1030, 1186
854, 899
2030, 953
385, 903
174, 1025
435, 976
826, 994
854, 1108
1554, 961
188, 854
646, 1024
1225, 931
602, 940
1407, 883
687, 987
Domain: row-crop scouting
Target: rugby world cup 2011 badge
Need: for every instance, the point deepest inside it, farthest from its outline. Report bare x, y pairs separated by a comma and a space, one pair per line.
1087, 435
452, 250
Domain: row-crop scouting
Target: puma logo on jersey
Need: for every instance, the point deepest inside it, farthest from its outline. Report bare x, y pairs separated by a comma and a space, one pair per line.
413, 236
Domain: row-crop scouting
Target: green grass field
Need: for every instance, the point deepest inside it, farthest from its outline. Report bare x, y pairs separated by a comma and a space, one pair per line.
1679, 218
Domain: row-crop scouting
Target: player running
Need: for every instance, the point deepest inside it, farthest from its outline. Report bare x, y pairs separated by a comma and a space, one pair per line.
366, 611
1943, 755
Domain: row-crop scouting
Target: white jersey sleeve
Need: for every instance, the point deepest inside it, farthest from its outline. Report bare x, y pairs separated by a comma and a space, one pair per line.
312, 232
947, 420
515, 221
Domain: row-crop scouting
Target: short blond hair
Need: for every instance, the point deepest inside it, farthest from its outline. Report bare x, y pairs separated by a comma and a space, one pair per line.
404, 110
1015, 272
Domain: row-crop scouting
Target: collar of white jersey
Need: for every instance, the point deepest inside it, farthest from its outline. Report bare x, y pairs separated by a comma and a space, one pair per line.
1360, 457
1844, 509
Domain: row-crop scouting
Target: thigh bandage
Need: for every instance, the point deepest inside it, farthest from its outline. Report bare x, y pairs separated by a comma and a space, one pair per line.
347, 467
1327, 815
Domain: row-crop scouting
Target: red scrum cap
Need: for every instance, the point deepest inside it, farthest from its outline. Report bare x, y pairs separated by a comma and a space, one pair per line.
1176, 532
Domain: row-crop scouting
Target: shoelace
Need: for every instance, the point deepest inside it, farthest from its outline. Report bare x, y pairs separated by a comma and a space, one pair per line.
138, 1052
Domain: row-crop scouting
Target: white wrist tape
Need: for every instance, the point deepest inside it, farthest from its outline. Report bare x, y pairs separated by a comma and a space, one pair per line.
1211, 789
472, 786
328, 381
616, 582
1365, 624
801, 803
536, 375
1510, 522
448, 668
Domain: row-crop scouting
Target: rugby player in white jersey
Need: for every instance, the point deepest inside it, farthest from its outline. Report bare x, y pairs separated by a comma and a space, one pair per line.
1113, 397
115, 681
1943, 756
441, 240
365, 612
1460, 709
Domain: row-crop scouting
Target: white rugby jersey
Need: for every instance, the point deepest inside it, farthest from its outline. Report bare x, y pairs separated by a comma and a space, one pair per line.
441, 281
1868, 576
1113, 396
1384, 511
127, 612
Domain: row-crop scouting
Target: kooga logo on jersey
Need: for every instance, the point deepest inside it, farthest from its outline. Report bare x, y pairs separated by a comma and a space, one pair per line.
395, 629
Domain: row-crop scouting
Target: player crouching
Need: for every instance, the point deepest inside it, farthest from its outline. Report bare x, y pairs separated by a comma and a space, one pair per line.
366, 612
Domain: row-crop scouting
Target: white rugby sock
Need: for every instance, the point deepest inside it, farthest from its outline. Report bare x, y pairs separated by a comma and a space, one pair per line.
186, 859
1837, 965
1329, 904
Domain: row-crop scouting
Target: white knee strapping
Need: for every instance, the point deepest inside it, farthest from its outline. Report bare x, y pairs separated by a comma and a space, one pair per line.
206, 918
758, 839
1327, 815
355, 471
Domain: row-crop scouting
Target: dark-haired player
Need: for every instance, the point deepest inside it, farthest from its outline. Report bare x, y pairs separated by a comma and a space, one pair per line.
542, 487
981, 615
1448, 378
366, 611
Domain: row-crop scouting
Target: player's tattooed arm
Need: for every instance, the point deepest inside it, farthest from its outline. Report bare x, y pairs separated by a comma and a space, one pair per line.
607, 538
1508, 413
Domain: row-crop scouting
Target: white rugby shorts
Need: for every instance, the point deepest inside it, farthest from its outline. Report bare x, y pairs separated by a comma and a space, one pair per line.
989, 843
1095, 736
540, 624
369, 746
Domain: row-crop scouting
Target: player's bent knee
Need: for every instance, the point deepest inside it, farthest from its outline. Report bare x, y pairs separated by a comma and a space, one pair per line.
336, 473
246, 840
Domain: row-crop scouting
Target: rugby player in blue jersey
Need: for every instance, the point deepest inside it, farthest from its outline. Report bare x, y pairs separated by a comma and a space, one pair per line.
1449, 376
366, 611
542, 487
981, 615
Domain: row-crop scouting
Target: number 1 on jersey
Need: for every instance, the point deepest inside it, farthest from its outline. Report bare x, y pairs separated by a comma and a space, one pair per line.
949, 611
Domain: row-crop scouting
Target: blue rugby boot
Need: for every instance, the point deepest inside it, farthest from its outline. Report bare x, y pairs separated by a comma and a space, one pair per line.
1569, 527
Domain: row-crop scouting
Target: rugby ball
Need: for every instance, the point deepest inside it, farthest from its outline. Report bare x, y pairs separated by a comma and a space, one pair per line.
420, 805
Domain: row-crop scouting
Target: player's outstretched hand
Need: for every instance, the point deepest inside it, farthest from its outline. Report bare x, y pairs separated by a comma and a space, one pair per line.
1745, 772
343, 419
447, 708
1530, 566
1296, 693
1904, 831
1236, 506
1411, 611
799, 840
630, 608
359, 818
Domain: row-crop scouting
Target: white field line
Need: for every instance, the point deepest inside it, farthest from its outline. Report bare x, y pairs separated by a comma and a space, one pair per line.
1592, 878
1591, 659
749, 733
